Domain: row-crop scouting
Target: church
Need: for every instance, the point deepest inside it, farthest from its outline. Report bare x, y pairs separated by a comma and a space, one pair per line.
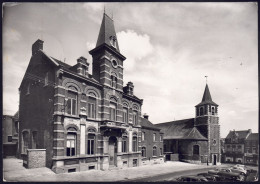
82, 121
194, 140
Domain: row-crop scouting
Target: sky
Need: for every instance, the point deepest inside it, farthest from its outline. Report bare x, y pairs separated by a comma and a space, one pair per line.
170, 48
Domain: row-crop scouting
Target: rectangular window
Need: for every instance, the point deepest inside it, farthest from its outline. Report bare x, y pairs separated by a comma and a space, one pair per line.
124, 145
135, 118
154, 136
161, 139
125, 115
10, 138
72, 103
71, 144
112, 112
134, 144
161, 151
91, 139
91, 110
143, 134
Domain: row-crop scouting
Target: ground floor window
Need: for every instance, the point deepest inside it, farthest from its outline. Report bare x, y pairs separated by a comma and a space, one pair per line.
134, 143
124, 144
143, 152
154, 151
71, 144
25, 141
91, 144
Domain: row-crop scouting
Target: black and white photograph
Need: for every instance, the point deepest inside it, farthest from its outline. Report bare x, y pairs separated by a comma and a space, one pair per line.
130, 92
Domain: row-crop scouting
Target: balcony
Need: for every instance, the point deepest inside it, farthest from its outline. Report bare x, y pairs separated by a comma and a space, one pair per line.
113, 125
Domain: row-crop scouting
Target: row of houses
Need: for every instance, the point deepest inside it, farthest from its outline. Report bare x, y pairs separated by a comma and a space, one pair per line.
241, 147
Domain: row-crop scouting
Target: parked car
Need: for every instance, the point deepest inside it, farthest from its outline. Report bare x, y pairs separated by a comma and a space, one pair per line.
227, 174
192, 178
210, 177
236, 169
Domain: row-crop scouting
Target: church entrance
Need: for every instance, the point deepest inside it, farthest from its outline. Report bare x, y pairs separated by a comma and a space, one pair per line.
112, 150
214, 159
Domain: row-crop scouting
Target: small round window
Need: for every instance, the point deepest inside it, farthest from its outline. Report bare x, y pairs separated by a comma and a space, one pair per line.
114, 63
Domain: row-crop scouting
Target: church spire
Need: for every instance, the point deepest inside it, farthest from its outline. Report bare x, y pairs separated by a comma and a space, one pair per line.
107, 33
206, 99
206, 96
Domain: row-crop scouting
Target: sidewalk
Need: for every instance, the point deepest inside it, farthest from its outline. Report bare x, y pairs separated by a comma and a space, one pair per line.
14, 171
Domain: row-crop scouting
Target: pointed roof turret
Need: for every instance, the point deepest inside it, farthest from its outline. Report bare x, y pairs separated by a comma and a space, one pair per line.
206, 99
107, 37
107, 33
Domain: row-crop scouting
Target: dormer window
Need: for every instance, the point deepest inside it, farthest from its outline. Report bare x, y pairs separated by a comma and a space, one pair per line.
113, 41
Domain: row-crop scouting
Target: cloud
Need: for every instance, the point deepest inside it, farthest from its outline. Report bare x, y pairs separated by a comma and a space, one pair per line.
90, 45
11, 35
134, 46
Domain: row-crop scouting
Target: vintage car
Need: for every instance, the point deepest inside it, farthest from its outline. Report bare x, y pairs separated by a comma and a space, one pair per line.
241, 170
192, 178
210, 177
227, 174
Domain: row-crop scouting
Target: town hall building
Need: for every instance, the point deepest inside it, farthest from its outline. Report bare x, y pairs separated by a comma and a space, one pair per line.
81, 121
195, 140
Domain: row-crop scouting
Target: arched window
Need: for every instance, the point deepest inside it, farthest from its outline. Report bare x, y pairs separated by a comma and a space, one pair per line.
72, 102
212, 110
113, 78
134, 142
196, 150
143, 151
135, 119
25, 141
71, 142
91, 144
124, 143
201, 111
125, 115
154, 151
92, 105
113, 108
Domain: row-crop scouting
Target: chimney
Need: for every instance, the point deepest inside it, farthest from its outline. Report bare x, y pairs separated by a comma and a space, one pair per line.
38, 45
129, 88
146, 116
82, 66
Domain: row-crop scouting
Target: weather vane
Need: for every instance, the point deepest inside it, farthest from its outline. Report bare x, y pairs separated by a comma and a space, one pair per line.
206, 79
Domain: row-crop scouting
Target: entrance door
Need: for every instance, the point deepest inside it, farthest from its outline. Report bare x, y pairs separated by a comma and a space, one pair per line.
214, 159
112, 150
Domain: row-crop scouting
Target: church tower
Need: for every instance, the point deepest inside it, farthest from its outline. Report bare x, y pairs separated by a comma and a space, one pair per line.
207, 121
107, 59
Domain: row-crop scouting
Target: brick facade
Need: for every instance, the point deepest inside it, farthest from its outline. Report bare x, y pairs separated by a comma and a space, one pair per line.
83, 121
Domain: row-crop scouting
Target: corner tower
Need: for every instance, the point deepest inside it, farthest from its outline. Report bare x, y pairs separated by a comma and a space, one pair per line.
207, 121
107, 59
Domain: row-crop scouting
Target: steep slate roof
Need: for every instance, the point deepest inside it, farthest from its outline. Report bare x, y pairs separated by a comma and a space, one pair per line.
107, 29
206, 99
242, 134
181, 129
145, 123
253, 136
